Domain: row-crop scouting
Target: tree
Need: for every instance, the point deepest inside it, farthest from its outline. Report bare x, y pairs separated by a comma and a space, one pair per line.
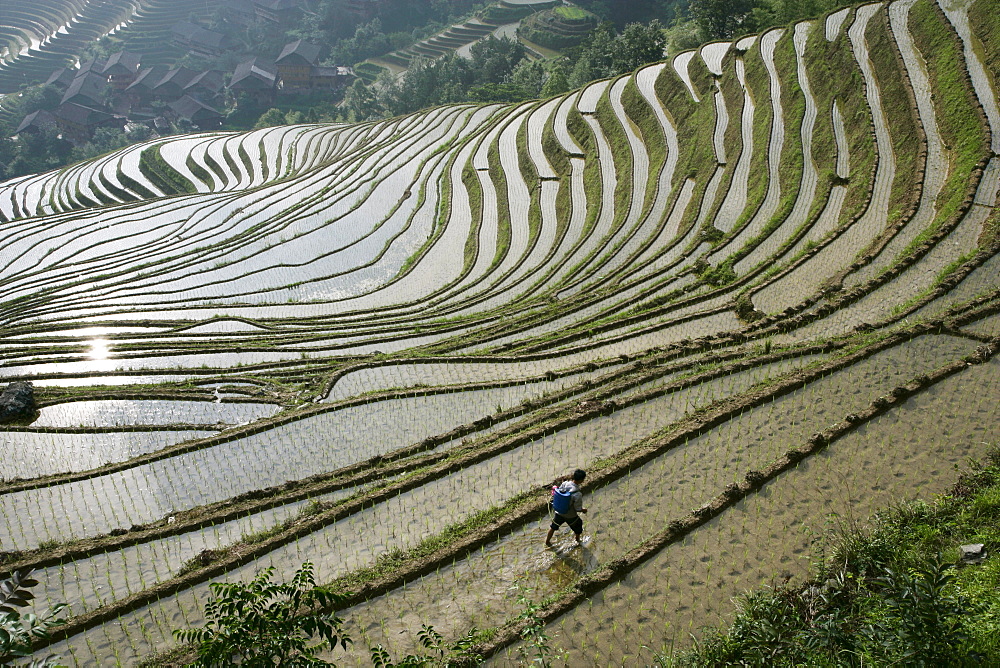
721, 19
16, 630
267, 623
637, 45
557, 83
594, 57
270, 118
361, 103
530, 77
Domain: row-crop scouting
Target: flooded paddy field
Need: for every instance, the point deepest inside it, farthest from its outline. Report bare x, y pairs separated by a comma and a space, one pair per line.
728, 285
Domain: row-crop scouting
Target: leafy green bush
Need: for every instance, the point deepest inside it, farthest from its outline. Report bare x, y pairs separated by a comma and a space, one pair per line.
267, 623
17, 631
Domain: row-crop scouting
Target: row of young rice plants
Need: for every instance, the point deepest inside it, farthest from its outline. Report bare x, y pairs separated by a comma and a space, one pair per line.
775, 144
732, 205
541, 391
937, 162
891, 299
636, 288
447, 235
278, 221
906, 453
77, 566
70, 452
655, 215
957, 105
550, 258
195, 477
325, 542
639, 198
981, 281
810, 274
798, 163
115, 413
624, 169
527, 236
632, 507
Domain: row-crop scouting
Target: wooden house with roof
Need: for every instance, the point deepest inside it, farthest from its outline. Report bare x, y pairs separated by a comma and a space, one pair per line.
78, 122
121, 69
205, 85
277, 11
139, 93
257, 79
92, 65
295, 65
60, 79
298, 71
87, 89
37, 121
239, 12
195, 112
199, 40
171, 86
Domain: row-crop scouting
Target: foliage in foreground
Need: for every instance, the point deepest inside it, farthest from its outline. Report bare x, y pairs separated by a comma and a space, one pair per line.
17, 631
892, 595
265, 623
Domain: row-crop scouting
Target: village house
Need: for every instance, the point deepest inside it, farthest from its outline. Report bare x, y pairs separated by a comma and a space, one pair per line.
277, 11
77, 122
37, 121
195, 112
60, 79
239, 12
256, 79
139, 94
298, 72
121, 69
87, 89
198, 40
171, 86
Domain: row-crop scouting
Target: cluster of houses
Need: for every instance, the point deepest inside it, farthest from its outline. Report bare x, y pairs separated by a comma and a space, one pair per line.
115, 92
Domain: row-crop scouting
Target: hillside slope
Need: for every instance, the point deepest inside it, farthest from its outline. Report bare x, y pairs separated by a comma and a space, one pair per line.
759, 280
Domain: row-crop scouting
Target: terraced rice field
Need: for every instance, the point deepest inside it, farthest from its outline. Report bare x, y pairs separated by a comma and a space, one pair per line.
753, 289
39, 36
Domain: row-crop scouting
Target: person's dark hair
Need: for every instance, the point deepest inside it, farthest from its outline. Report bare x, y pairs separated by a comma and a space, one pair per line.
579, 475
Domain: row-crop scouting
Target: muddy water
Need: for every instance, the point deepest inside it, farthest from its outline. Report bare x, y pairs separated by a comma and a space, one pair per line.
113, 413
627, 511
982, 280
440, 373
288, 452
404, 520
32, 454
986, 327
909, 453
104, 578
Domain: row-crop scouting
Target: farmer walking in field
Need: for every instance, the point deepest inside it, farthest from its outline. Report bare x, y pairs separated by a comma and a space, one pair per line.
567, 502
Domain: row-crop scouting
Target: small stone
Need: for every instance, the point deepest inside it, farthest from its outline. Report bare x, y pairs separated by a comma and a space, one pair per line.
972, 554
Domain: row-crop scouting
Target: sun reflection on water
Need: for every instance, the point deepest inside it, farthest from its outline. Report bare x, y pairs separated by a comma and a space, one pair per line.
99, 349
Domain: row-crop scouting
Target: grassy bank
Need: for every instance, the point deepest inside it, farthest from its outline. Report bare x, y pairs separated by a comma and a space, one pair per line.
894, 593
